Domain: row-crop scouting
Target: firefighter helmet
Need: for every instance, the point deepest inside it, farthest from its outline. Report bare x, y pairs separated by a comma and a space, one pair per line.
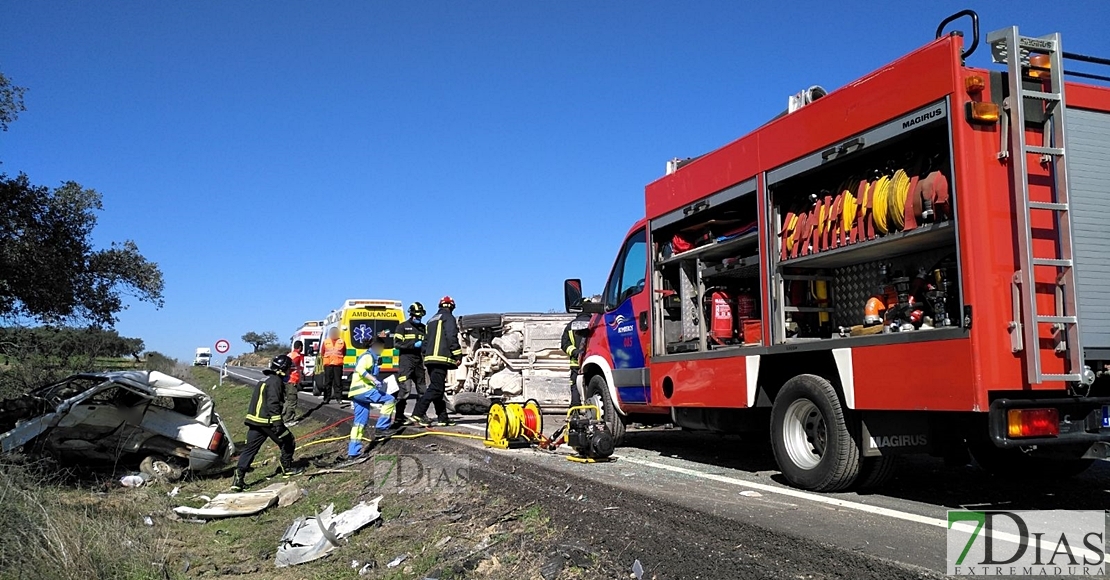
417, 310
447, 302
281, 364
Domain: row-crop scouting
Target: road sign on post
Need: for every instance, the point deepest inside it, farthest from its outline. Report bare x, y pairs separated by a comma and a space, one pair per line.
222, 346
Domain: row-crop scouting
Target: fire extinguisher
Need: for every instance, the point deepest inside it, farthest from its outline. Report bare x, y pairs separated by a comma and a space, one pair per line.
745, 305
722, 327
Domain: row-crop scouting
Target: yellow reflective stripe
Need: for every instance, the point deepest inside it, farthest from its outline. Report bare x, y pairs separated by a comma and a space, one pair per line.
439, 335
258, 405
437, 359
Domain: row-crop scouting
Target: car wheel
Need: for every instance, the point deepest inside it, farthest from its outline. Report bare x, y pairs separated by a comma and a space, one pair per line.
812, 436
471, 321
599, 389
471, 403
157, 468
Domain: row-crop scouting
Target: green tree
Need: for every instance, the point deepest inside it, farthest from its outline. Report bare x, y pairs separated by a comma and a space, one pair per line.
11, 102
260, 340
49, 270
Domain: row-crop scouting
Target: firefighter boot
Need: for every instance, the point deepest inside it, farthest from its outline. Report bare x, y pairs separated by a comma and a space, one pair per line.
238, 482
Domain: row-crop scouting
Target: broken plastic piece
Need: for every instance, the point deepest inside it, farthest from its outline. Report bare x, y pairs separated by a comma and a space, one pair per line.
637, 570
314, 537
229, 505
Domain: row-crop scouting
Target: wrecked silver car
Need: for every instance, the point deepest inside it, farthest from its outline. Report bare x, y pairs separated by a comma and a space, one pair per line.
161, 423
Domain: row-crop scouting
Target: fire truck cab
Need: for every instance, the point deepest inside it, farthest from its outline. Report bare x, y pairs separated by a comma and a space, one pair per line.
914, 263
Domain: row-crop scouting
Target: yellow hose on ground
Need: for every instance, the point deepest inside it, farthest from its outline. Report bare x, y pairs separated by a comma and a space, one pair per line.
413, 436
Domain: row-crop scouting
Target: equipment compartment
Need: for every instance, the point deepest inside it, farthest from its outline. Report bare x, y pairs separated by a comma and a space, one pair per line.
706, 275
865, 235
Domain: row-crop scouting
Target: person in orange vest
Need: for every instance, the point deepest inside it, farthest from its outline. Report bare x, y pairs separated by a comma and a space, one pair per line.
289, 409
333, 349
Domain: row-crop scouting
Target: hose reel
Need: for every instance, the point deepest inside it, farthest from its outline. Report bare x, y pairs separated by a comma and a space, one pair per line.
513, 425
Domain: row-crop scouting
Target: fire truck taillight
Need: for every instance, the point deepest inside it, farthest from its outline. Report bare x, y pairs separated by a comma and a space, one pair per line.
982, 113
974, 84
1033, 423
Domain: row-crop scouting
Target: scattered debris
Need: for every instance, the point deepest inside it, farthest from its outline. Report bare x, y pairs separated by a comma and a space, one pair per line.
551, 567
610, 508
567, 489
750, 493
132, 481
397, 561
148, 520
637, 570
229, 505
443, 542
173, 492
367, 569
328, 472
314, 537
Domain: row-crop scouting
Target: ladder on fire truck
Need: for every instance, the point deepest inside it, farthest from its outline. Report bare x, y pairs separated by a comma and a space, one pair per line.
1043, 107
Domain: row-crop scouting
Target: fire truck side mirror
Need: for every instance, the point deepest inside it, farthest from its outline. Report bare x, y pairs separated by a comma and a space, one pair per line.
572, 295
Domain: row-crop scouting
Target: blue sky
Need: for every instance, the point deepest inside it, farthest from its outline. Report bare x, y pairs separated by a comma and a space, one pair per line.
276, 158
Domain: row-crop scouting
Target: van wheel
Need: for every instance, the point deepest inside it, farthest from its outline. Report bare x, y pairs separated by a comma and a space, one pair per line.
598, 388
316, 386
159, 469
812, 437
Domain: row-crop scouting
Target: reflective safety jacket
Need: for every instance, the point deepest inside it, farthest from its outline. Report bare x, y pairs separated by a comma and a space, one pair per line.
334, 351
266, 402
407, 334
441, 344
573, 341
298, 366
365, 376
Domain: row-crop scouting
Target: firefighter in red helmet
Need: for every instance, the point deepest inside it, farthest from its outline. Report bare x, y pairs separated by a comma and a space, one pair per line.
442, 352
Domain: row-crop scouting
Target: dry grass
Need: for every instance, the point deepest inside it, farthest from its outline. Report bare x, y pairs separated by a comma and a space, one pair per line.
66, 528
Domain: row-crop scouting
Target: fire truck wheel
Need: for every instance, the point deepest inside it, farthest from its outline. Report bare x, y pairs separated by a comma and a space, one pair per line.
1016, 464
597, 387
876, 471
812, 437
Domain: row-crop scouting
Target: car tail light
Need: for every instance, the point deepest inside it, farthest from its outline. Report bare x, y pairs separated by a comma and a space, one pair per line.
1033, 423
217, 439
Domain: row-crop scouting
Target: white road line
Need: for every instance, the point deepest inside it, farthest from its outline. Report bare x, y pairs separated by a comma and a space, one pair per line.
816, 498
241, 376
795, 493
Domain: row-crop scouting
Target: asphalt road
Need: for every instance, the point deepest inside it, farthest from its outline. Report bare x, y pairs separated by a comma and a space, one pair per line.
731, 479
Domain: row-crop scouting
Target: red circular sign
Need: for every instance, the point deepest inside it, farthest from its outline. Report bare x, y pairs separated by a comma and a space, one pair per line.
222, 346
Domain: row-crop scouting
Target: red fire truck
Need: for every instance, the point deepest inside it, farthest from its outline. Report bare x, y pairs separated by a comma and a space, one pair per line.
916, 262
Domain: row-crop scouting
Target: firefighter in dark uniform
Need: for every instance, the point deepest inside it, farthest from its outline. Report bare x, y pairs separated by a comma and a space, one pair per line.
574, 339
264, 422
408, 339
442, 352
